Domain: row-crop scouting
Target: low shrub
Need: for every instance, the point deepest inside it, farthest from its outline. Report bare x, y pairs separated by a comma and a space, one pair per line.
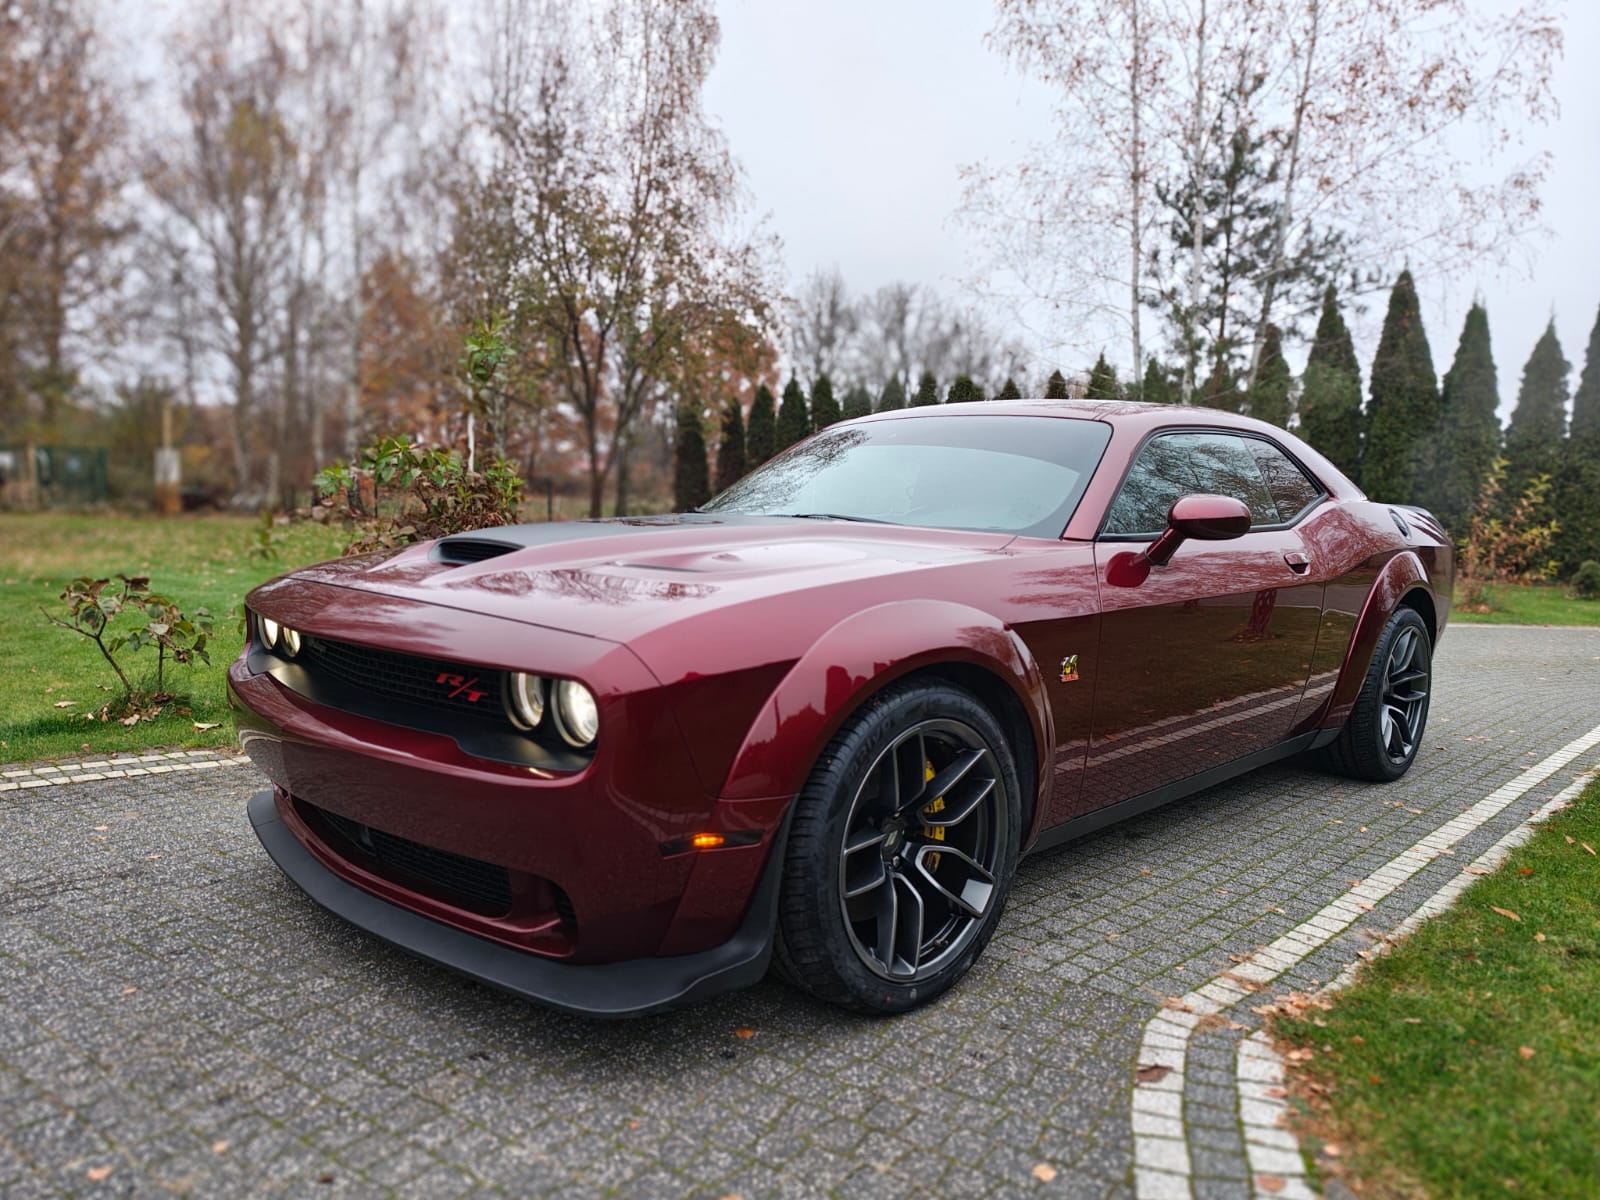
1586, 581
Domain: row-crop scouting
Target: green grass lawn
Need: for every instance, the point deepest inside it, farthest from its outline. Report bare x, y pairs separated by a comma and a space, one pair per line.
1530, 604
198, 561
1466, 1063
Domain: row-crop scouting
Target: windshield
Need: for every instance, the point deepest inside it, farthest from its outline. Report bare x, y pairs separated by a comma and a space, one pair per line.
1021, 475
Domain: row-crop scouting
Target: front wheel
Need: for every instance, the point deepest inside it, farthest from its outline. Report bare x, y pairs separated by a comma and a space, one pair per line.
1380, 740
901, 852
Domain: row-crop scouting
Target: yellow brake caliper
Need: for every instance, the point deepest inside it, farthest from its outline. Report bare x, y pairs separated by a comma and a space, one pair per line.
936, 805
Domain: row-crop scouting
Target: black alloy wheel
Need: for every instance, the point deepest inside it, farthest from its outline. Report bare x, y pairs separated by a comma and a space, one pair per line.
1404, 695
901, 852
1380, 739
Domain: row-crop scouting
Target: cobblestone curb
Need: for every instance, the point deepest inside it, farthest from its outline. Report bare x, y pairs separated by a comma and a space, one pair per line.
1263, 1102
1161, 1150
88, 770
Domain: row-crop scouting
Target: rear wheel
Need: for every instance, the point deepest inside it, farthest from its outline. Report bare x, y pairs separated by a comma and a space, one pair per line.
1380, 740
901, 852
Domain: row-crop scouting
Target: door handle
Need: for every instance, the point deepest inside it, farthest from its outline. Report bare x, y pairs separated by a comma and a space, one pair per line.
1298, 563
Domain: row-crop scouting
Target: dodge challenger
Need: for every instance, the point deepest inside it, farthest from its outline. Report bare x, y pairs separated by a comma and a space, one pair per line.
615, 766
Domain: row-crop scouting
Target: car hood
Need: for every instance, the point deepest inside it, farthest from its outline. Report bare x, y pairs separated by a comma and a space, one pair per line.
619, 579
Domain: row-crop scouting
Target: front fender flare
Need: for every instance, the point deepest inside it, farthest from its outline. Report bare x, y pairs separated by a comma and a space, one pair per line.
859, 656
1398, 577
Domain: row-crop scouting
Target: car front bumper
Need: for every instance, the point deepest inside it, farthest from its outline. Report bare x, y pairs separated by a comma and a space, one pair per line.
616, 989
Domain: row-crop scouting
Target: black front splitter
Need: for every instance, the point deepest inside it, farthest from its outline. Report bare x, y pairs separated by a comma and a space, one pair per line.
622, 989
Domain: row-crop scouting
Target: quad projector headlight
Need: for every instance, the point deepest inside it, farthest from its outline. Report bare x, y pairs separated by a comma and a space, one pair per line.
276, 636
577, 714
524, 699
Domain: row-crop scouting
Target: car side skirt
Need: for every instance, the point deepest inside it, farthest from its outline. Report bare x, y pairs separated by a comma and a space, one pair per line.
1093, 822
622, 989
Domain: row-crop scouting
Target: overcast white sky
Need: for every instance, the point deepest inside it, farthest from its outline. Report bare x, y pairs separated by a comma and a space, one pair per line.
852, 117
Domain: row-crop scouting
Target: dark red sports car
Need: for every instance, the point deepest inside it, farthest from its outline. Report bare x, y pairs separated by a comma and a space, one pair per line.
615, 766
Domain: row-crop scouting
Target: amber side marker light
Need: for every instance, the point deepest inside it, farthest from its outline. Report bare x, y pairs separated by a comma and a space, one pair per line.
710, 841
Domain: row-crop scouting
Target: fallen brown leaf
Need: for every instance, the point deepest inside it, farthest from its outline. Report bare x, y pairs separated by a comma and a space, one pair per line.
1524, 870
1275, 1093
744, 1031
96, 1174
1571, 841
133, 720
1365, 905
204, 725
101, 828
128, 991
219, 1147
1332, 1149
1477, 870
1111, 937
65, 703
1269, 1183
1505, 912
1587, 847
1526, 1051
1044, 1172
1152, 1073
1249, 985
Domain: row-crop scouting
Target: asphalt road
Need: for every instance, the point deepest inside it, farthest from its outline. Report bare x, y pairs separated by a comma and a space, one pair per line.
175, 1017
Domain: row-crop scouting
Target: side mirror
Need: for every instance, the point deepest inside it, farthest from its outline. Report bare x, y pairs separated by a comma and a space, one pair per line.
1203, 518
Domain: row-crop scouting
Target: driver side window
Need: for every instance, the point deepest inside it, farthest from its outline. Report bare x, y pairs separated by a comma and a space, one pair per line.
1183, 464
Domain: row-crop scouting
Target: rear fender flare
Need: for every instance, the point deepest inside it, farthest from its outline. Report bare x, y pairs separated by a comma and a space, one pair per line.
1400, 576
857, 658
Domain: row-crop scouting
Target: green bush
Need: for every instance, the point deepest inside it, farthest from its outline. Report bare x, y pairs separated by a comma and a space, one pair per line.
429, 493
1586, 581
93, 608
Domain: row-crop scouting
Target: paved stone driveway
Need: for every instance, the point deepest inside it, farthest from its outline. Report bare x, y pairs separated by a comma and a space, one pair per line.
175, 1017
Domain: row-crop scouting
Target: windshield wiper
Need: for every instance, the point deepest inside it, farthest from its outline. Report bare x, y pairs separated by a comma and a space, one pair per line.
822, 516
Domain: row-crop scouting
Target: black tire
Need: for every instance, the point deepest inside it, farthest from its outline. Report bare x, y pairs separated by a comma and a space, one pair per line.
833, 902
1379, 741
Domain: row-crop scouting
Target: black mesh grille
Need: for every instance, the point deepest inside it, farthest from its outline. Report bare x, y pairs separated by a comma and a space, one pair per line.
433, 683
470, 550
467, 882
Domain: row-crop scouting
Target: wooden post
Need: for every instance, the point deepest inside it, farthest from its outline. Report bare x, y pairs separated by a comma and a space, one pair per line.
168, 468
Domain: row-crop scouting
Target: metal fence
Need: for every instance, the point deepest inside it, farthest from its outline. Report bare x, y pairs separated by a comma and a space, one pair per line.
52, 476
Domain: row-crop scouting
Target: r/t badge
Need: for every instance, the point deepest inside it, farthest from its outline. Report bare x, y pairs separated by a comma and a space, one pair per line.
1069, 668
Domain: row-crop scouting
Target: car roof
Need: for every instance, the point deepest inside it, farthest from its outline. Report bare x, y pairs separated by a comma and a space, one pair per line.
1126, 414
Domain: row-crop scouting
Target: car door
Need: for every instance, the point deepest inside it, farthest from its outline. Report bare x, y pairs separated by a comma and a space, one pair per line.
1201, 662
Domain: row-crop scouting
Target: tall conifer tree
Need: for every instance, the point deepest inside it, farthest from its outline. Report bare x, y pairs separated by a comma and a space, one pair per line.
1269, 398
927, 391
857, 403
761, 438
1469, 429
1578, 487
1157, 387
794, 420
730, 447
1055, 387
1221, 389
1330, 391
824, 408
691, 482
1539, 421
1404, 408
1586, 400
963, 390
893, 395
1010, 391
1103, 384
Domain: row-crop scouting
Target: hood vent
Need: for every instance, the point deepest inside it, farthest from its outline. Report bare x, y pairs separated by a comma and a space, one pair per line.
459, 550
